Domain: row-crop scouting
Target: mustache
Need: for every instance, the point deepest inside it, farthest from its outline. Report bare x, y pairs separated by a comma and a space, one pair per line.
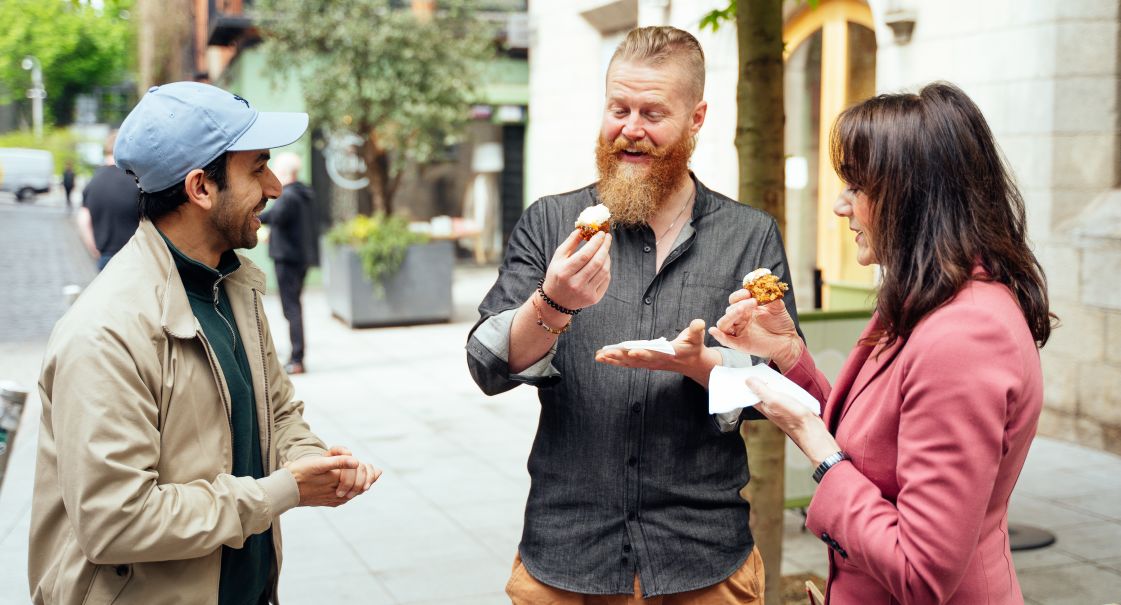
644, 146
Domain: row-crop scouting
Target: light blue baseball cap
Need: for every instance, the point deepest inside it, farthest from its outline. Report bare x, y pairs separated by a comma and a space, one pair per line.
178, 127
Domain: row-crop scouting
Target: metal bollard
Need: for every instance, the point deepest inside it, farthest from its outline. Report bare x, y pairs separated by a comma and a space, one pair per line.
71, 293
12, 399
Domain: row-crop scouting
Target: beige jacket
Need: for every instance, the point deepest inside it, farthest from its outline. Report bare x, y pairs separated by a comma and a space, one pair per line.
133, 500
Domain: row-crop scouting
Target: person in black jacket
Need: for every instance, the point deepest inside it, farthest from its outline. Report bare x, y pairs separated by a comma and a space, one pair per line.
291, 219
68, 181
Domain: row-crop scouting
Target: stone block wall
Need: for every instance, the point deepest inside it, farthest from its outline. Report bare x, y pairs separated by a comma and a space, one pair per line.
1082, 363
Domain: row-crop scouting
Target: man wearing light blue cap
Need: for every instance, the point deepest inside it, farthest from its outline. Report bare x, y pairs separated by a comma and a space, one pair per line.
171, 440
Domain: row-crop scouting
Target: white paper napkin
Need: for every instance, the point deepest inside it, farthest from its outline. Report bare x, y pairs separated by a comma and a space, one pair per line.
727, 390
661, 345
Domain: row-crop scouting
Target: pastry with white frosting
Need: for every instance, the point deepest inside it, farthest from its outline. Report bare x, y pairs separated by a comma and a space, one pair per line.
592, 220
764, 285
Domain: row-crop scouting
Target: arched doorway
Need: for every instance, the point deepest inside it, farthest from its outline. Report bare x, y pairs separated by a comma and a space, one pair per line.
830, 55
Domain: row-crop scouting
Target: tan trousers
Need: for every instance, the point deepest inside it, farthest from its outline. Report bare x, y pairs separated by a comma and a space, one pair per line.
744, 587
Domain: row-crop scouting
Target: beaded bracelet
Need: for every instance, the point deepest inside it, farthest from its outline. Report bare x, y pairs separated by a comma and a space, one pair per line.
546, 327
551, 302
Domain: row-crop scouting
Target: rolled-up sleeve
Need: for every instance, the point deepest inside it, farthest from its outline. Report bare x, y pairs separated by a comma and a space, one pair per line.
488, 344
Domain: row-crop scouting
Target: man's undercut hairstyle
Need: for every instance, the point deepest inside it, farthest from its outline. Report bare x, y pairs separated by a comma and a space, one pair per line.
661, 44
153, 206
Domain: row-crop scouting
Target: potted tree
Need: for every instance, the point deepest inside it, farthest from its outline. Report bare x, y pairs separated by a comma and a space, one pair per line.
377, 272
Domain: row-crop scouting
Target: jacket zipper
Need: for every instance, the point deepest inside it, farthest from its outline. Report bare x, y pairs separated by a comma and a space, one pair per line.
218, 310
264, 366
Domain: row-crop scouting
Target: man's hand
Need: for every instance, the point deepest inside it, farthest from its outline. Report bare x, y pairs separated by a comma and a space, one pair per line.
577, 277
318, 477
760, 330
354, 481
693, 359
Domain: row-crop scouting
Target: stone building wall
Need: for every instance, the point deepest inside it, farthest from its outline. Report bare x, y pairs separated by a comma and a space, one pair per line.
1045, 74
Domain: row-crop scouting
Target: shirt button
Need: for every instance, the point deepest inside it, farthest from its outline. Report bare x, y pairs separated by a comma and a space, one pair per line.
626, 548
122, 570
648, 300
646, 248
633, 461
635, 407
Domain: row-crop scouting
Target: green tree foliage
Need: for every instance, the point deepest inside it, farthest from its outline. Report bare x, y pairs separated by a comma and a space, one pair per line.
403, 82
79, 47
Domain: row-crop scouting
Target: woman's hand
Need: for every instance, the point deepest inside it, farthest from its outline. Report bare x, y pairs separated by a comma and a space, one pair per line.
760, 330
804, 428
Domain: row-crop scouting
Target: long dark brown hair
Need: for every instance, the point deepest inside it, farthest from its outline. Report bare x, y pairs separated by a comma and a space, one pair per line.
942, 200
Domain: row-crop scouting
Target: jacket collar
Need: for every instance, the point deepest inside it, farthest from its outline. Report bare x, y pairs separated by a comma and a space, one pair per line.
199, 279
177, 318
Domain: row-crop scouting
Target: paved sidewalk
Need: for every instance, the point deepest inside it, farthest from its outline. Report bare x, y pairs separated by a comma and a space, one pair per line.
442, 524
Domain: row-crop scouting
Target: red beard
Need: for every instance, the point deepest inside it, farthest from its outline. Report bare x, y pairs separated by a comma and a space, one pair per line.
635, 192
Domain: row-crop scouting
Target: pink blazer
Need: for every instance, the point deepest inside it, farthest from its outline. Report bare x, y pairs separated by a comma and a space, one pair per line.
937, 430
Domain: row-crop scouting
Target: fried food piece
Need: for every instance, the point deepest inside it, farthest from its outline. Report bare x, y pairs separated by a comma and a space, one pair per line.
764, 285
593, 220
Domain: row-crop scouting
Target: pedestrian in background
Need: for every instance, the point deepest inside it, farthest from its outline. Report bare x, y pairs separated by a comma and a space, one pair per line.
291, 220
171, 440
109, 213
68, 181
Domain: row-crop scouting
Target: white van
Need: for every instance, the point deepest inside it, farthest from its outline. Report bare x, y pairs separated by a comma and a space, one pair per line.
26, 172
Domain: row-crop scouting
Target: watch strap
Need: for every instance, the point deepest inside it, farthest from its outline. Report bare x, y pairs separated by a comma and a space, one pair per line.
827, 464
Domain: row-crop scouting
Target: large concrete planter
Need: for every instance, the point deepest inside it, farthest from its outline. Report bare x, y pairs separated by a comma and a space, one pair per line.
420, 292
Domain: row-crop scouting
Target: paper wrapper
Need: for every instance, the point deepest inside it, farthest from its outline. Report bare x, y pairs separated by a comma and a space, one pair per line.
660, 345
727, 390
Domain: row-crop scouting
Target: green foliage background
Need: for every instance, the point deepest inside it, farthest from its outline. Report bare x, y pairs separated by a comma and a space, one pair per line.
59, 141
78, 47
402, 83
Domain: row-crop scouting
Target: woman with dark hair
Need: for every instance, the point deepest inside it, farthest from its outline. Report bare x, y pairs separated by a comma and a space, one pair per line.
924, 434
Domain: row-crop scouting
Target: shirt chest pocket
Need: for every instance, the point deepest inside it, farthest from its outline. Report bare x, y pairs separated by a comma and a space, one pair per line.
704, 297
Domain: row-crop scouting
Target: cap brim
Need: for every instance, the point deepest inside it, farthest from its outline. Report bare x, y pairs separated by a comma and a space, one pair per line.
272, 129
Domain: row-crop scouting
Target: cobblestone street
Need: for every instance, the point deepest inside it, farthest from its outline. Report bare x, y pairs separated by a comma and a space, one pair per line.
40, 254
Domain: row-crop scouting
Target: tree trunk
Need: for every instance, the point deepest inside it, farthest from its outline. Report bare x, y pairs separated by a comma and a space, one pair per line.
759, 97
382, 186
759, 141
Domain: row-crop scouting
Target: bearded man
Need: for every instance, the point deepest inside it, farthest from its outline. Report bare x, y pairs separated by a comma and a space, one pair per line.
635, 487
171, 440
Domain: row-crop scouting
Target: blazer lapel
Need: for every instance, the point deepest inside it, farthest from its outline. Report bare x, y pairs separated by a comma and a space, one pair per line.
839, 394
876, 360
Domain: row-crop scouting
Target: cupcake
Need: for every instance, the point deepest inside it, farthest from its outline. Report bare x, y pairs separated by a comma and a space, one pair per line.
593, 219
764, 285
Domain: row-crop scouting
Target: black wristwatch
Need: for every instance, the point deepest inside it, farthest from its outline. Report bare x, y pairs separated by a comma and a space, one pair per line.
827, 464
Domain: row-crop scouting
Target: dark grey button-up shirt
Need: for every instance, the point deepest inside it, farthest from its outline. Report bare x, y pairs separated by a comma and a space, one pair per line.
628, 471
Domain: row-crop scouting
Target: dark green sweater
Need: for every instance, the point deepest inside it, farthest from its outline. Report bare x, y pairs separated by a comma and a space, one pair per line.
245, 570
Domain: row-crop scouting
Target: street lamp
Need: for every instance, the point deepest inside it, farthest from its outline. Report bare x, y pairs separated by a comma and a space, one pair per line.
36, 93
